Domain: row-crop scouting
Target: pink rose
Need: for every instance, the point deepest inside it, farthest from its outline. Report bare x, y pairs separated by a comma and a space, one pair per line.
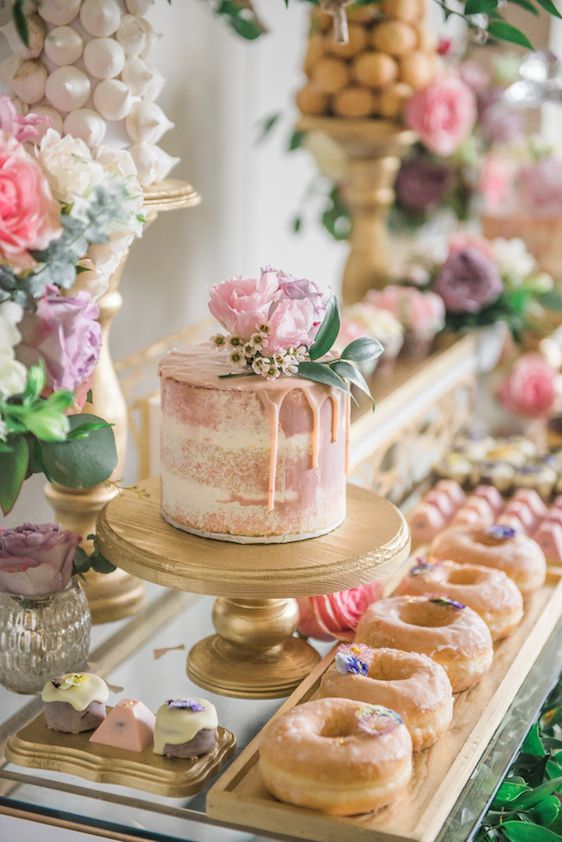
65, 334
530, 389
474, 75
336, 615
462, 241
29, 216
291, 324
496, 185
420, 313
24, 129
443, 114
540, 187
242, 305
36, 559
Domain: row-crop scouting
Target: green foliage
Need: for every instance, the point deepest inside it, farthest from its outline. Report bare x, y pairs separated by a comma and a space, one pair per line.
83, 561
81, 462
14, 460
526, 807
328, 330
335, 216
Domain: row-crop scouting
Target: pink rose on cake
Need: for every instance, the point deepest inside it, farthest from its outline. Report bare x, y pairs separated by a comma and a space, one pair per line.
242, 305
336, 615
291, 324
36, 559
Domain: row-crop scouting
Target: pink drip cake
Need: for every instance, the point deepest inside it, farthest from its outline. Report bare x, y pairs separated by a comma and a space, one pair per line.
249, 459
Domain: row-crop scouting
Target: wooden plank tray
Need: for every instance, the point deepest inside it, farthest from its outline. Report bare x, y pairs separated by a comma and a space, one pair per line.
37, 747
440, 773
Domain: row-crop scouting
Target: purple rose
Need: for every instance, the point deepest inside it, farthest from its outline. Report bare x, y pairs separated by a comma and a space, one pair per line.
65, 334
468, 281
499, 122
36, 559
301, 289
422, 183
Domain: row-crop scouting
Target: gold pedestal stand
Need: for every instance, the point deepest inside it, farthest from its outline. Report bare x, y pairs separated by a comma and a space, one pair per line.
373, 149
115, 595
253, 653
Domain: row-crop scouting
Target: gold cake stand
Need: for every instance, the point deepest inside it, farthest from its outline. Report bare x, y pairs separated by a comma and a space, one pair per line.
253, 653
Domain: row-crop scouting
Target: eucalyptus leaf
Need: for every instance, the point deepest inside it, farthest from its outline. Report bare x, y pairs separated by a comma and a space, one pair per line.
365, 349
13, 471
327, 332
321, 373
82, 463
504, 31
349, 372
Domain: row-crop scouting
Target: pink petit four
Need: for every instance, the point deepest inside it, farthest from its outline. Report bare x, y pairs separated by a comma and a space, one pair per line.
468, 517
557, 504
480, 506
452, 489
533, 500
425, 521
491, 495
130, 726
521, 511
441, 501
549, 539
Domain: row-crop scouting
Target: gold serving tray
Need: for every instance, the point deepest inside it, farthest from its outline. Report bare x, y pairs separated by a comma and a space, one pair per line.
440, 773
37, 747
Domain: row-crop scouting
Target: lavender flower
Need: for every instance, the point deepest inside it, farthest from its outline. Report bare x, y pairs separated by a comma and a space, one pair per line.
468, 281
501, 533
448, 603
351, 659
185, 704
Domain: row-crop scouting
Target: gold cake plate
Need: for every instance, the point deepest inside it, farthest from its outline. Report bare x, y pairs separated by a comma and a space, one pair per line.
254, 653
36, 747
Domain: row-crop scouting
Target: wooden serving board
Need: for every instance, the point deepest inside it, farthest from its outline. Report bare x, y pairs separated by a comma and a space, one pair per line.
37, 747
440, 773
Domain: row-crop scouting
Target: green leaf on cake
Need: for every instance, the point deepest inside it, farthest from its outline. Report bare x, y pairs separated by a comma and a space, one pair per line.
327, 332
81, 463
349, 372
320, 373
365, 349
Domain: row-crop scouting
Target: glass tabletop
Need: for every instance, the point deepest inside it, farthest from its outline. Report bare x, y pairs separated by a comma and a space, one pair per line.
125, 653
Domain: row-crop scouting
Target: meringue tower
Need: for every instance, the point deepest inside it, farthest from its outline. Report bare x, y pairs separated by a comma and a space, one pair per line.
87, 68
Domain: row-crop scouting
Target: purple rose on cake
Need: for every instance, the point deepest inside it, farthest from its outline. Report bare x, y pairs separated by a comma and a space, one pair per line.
468, 281
36, 559
289, 310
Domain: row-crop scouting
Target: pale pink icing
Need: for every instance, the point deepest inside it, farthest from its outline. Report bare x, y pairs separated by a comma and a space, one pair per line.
130, 726
247, 456
549, 539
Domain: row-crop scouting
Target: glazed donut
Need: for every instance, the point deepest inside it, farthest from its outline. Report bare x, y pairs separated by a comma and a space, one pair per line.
502, 547
449, 632
491, 593
337, 755
411, 684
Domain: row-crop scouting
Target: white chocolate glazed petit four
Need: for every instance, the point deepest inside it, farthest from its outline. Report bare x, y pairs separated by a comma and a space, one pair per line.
185, 728
130, 726
74, 702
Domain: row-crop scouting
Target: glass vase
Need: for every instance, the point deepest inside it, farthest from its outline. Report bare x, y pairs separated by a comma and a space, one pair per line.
42, 637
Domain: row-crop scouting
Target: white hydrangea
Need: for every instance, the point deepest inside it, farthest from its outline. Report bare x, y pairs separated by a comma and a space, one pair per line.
69, 167
13, 374
514, 261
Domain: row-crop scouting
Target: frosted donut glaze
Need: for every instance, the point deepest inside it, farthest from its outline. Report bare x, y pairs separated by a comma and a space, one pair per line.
78, 689
247, 458
176, 725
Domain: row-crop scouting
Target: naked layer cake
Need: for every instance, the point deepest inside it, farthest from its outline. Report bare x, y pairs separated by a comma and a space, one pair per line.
254, 434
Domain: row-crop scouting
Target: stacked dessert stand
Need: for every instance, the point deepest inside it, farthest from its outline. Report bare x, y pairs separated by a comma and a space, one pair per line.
253, 653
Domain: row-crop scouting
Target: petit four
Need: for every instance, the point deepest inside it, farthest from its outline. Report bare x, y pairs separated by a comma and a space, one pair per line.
549, 538
130, 726
185, 728
74, 702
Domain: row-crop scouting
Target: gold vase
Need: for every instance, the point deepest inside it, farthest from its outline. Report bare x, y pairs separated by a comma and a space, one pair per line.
115, 595
373, 149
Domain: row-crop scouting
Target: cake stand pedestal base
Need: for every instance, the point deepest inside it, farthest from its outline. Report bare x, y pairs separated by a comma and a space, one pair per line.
253, 655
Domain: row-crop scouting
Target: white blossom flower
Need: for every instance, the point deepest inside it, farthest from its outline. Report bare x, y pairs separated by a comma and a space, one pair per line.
13, 375
238, 359
69, 167
219, 341
514, 261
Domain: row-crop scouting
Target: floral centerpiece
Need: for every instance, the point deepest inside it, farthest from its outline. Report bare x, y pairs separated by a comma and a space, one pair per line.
67, 220
278, 325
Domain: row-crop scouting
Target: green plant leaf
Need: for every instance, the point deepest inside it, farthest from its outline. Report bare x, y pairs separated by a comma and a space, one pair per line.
349, 372
475, 7
85, 462
507, 793
267, 125
524, 4
296, 140
532, 744
546, 812
362, 350
296, 224
20, 21
530, 799
504, 31
527, 832
35, 383
81, 563
549, 7
327, 332
84, 430
13, 471
321, 373
48, 423
100, 563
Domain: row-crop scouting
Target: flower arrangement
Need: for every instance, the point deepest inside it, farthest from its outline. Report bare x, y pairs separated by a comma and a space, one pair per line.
482, 282
281, 325
67, 220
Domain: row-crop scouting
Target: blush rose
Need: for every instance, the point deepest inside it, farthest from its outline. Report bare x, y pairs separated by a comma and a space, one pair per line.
530, 389
36, 559
442, 114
